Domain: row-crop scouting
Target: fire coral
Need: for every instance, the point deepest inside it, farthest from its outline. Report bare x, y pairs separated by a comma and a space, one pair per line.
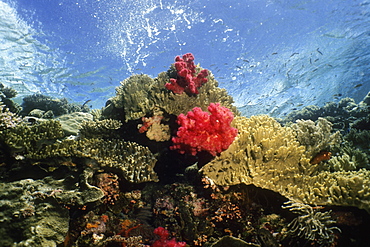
186, 80
201, 131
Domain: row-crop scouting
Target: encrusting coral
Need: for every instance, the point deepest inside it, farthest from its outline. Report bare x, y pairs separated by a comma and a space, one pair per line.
155, 127
269, 156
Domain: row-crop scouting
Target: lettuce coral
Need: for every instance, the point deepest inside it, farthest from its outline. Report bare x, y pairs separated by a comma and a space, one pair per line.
201, 131
269, 156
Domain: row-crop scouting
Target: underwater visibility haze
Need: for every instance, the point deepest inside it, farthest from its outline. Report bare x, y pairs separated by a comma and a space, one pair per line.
271, 56
184, 123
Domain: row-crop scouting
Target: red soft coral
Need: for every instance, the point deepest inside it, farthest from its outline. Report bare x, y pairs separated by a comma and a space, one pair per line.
186, 80
164, 241
201, 131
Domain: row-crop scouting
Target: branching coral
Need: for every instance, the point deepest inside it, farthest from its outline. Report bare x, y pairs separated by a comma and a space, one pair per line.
349, 159
343, 114
8, 119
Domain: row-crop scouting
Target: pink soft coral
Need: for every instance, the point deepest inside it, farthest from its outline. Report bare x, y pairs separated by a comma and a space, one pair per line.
164, 241
201, 131
186, 80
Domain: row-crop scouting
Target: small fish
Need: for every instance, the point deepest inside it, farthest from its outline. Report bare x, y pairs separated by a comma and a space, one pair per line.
274, 53
319, 51
295, 53
321, 156
337, 95
246, 60
87, 101
358, 85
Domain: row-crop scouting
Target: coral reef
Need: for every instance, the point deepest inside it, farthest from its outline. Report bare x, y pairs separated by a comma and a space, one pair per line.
201, 131
155, 168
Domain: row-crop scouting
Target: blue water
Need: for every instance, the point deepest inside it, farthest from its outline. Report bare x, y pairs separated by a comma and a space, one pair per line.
272, 56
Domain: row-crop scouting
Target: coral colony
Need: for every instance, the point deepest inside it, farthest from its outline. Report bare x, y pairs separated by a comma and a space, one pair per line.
170, 162
187, 80
201, 131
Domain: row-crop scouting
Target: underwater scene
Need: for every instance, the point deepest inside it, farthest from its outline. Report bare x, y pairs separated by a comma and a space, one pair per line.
157, 123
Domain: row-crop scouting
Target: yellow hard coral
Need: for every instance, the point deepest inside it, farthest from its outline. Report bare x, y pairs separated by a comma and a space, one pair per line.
269, 156
262, 152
